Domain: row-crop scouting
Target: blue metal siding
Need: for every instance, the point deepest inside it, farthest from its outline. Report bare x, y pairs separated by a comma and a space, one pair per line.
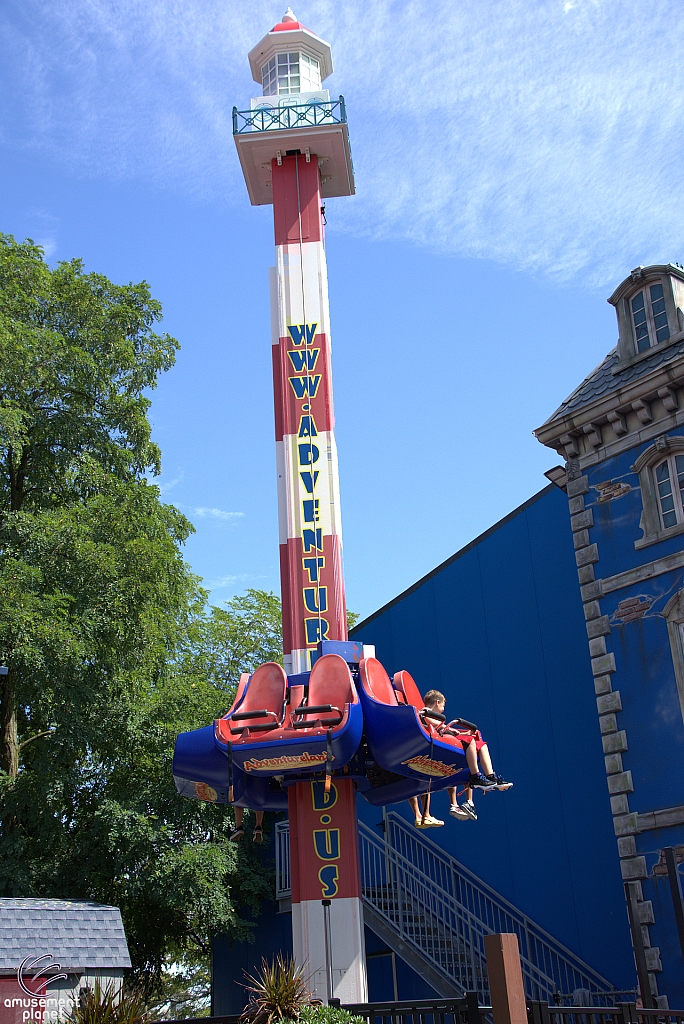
500, 630
230, 960
379, 970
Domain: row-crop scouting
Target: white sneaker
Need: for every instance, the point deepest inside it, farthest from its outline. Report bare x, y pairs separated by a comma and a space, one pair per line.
457, 812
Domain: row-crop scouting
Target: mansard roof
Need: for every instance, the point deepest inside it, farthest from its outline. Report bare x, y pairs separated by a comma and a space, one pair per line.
607, 377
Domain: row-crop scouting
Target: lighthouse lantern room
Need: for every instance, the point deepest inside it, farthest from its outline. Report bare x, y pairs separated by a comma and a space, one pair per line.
294, 113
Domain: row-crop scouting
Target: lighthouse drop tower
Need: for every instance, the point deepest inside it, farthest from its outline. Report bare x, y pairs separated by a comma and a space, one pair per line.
307, 737
294, 150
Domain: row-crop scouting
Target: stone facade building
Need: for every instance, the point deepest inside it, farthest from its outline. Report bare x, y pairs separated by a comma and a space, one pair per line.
622, 436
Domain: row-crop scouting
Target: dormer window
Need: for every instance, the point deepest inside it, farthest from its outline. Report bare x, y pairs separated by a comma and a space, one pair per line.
650, 310
288, 73
650, 317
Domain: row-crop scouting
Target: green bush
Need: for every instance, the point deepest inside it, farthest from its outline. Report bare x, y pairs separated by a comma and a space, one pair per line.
328, 1015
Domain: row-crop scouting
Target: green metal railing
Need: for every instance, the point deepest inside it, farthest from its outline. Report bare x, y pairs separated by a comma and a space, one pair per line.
290, 115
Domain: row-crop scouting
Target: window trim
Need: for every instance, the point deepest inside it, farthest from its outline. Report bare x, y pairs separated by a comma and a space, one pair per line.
645, 287
673, 612
673, 475
651, 521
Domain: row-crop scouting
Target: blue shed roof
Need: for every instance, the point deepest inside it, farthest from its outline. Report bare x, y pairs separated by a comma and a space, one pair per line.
76, 933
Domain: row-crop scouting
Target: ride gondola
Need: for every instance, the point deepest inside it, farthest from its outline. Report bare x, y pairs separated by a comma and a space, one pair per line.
278, 730
404, 737
345, 717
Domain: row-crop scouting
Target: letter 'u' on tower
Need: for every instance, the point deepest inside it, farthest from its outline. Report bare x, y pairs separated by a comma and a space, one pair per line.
293, 146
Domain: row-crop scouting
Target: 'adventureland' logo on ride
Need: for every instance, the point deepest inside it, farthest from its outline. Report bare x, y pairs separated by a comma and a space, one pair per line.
285, 761
428, 766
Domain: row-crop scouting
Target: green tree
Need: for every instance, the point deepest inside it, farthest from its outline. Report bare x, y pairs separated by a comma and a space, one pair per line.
110, 648
76, 354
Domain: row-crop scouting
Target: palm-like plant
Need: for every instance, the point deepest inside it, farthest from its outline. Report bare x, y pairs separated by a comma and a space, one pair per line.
108, 1005
277, 992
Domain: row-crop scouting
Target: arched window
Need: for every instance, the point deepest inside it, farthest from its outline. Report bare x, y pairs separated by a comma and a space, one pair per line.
669, 479
661, 478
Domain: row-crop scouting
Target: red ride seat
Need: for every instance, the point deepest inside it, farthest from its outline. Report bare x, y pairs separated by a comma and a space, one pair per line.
376, 682
405, 683
264, 701
330, 690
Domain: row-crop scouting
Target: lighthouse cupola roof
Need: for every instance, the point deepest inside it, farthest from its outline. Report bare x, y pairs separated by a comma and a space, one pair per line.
290, 58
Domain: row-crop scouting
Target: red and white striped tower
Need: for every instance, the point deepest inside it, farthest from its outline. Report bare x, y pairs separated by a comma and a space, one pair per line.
294, 151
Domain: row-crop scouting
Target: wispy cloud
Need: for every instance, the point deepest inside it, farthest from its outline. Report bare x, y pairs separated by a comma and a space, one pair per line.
543, 134
168, 485
42, 228
216, 513
231, 581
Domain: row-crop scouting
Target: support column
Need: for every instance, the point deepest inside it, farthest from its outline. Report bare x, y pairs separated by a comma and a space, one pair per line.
312, 583
324, 865
324, 858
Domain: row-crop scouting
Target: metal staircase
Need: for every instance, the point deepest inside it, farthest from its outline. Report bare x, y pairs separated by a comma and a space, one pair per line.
434, 913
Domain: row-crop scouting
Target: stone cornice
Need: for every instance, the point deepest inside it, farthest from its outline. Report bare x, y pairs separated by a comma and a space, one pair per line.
632, 440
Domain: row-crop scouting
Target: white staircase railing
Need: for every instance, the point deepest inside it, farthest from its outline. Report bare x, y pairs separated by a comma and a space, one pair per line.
440, 911
443, 910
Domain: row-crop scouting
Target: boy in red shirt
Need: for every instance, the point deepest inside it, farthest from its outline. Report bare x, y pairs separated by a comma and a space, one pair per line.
475, 747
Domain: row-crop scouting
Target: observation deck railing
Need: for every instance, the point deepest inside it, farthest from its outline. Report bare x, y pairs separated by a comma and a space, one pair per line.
441, 911
289, 115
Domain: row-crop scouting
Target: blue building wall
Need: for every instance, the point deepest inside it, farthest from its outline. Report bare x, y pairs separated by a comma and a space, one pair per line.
230, 960
499, 628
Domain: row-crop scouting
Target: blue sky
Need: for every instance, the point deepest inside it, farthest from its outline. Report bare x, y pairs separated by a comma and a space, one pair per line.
514, 160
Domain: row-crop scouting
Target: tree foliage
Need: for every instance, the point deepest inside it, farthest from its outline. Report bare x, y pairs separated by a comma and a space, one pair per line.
110, 647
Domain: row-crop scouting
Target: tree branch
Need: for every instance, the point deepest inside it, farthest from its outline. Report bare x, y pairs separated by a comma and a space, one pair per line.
37, 736
196, 939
